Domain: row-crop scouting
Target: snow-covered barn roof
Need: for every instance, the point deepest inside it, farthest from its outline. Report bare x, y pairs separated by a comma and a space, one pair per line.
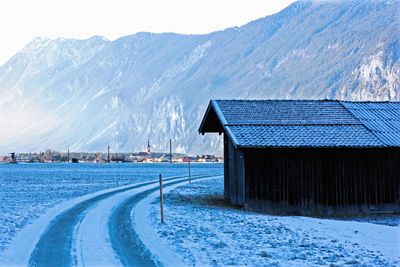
304, 123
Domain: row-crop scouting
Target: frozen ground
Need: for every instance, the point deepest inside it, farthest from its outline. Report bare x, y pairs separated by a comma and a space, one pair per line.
29, 190
205, 230
121, 226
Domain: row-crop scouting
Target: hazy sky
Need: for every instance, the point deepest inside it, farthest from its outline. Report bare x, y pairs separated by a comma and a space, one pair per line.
22, 20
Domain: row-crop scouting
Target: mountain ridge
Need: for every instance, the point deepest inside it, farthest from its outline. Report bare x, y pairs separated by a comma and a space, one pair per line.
86, 94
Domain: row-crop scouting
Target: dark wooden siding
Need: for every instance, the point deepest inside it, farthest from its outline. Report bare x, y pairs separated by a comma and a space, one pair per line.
319, 181
234, 174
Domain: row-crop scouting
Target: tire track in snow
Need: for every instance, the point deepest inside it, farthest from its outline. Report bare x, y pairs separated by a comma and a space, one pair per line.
124, 238
55, 246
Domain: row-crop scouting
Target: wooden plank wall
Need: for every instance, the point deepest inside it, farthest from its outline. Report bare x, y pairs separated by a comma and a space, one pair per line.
322, 181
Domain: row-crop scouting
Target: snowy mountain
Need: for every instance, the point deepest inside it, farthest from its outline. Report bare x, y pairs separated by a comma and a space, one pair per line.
86, 94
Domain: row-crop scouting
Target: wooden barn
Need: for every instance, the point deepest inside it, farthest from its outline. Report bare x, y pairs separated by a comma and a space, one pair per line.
309, 157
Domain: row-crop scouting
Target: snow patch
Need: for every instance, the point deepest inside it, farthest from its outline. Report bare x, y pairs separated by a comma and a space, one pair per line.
206, 230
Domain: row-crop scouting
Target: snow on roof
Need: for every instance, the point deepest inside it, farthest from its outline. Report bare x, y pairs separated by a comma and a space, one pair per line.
305, 123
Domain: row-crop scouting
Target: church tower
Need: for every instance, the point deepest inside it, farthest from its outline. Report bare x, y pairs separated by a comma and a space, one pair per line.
148, 148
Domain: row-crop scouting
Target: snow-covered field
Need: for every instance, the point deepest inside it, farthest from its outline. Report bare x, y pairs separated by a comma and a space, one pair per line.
200, 227
204, 230
29, 190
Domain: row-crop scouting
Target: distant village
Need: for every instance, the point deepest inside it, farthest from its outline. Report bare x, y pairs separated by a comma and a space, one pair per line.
51, 156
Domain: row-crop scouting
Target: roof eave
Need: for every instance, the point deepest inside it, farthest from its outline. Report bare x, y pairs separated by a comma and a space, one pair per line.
219, 113
224, 123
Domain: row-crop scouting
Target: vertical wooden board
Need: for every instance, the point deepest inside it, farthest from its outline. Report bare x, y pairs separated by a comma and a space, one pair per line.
307, 181
389, 183
376, 187
256, 191
324, 174
273, 179
252, 182
280, 157
355, 167
304, 183
289, 184
232, 177
322, 160
240, 177
383, 175
286, 167
276, 180
337, 166
311, 177
344, 184
267, 172
330, 185
261, 175
363, 181
369, 182
340, 180
226, 168
263, 180
361, 168
395, 181
247, 175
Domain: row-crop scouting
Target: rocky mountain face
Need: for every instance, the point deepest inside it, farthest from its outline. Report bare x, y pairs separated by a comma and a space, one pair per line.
87, 94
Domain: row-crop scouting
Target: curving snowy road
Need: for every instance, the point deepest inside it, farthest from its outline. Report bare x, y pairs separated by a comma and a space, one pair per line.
90, 231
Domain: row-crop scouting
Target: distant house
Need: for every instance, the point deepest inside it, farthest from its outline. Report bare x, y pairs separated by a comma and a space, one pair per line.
118, 158
142, 154
309, 157
186, 159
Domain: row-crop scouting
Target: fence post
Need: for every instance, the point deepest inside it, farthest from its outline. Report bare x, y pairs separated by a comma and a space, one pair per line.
189, 173
161, 201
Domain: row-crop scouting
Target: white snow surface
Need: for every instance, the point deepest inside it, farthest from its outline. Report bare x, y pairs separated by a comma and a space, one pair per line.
19, 251
142, 217
93, 247
204, 230
91, 239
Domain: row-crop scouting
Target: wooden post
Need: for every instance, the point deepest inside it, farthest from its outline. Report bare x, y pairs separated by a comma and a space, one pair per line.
189, 173
161, 201
170, 150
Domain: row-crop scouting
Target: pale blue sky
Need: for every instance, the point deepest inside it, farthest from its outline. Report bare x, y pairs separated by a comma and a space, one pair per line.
22, 20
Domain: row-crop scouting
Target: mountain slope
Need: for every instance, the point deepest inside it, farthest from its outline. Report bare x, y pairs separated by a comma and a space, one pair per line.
86, 94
